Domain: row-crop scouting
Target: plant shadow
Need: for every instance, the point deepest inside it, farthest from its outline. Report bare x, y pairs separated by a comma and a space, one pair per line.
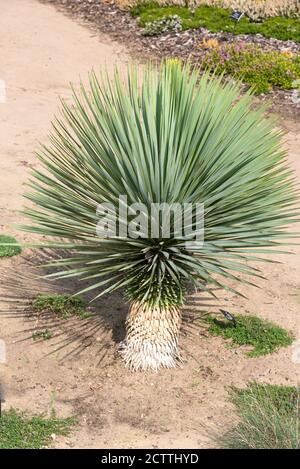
102, 331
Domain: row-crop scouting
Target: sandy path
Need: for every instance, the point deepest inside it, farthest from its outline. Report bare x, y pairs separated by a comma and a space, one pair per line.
41, 51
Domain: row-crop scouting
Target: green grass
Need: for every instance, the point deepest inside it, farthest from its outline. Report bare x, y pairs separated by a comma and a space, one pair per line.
264, 337
17, 431
42, 335
9, 251
268, 418
64, 306
218, 19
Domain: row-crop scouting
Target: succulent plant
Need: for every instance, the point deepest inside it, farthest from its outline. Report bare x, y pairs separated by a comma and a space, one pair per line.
167, 23
167, 135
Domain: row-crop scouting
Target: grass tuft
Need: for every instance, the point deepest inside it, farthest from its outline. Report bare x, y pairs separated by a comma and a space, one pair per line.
17, 431
9, 251
264, 336
269, 418
64, 306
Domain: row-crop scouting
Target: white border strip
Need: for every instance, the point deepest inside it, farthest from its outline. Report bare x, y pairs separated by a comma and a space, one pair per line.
2, 92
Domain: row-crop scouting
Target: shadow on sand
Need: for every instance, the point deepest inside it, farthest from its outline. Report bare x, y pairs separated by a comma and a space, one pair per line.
22, 281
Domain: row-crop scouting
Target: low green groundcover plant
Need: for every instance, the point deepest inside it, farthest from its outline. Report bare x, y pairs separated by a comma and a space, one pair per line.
9, 251
264, 336
64, 306
260, 69
269, 418
18, 431
42, 335
218, 19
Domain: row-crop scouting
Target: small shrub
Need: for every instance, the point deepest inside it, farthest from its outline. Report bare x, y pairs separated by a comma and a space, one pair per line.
166, 24
269, 418
17, 431
64, 306
9, 251
257, 68
264, 336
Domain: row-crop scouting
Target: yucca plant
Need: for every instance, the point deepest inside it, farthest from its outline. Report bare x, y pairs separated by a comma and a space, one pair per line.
162, 135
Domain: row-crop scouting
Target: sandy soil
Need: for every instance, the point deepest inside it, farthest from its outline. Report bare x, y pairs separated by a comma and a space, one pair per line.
77, 372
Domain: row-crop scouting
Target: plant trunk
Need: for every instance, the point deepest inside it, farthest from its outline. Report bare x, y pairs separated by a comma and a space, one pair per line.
151, 339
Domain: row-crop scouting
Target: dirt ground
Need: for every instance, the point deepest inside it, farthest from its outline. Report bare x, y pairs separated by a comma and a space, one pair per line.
77, 372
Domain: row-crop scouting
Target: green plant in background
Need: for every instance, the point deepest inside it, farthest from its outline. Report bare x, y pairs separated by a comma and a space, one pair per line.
256, 10
64, 306
165, 135
9, 246
260, 69
269, 418
167, 23
264, 336
18, 431
218, 19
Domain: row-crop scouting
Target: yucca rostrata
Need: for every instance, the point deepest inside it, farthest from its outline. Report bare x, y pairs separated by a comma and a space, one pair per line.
164, 135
